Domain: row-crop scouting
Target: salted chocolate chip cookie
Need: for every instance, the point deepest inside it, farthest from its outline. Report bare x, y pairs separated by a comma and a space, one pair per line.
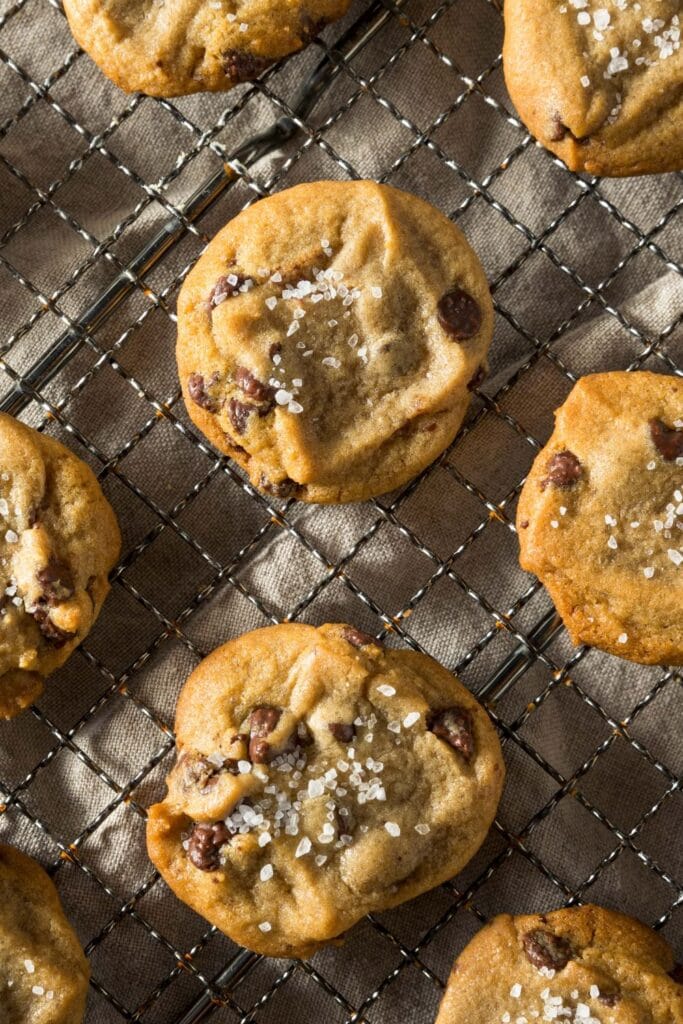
320, 777
582, 965
600, 84
166, 48
600, 518
58, 540
43, 971
327, 338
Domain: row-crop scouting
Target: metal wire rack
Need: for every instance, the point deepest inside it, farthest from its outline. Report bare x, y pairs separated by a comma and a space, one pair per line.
87, 355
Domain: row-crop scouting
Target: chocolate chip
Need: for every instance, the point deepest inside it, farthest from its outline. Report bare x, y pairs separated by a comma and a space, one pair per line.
357, 638
609, 998
204, 842
200, 773
52, 633
677, 974
459, 314
243, 67
667, 440
225, 289
342, 731
454, 725
479, 378
252, 386
262, 721
564, 469
524, 525
239, 414
282, 489
197, 390
558, 130
543, 949
56, 581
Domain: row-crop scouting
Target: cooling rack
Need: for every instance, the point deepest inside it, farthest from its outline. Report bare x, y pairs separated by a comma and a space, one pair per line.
107, 202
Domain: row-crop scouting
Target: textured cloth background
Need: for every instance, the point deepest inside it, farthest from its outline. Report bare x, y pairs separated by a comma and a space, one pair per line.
586, 277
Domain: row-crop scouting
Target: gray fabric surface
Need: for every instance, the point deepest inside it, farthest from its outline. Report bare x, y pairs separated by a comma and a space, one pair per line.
602, 745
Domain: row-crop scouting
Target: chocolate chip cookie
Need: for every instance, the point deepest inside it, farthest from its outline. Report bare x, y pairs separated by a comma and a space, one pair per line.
166, 49
327, 338
600, 518
600, 84
583, 965
58, 540
320, 777
43, 972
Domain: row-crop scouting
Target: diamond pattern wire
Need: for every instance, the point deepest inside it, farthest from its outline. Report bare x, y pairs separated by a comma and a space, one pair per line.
80, 337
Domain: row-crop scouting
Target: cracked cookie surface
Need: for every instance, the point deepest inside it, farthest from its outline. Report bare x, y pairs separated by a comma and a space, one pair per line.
599, 84
583, 965
600, 517
175, 47
43, 971
329, 336
320, 777
58, 540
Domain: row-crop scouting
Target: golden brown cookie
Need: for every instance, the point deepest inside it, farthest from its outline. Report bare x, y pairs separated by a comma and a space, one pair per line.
320, 777
43, 972
328, 336
600, 518
167, 48
581, 965
599, 83
58, 540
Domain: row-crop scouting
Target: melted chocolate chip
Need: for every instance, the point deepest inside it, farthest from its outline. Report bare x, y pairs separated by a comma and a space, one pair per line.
252, 386
543, 949
199, 772
564, 469
459, 314
262, 721
454, 725
282, 489
225, 289
342, 731
677, 974
239, 414
479, 378
197, 390
52, 633
243, 67
357, 638
667, 440
558, 130
56, 582
204, 842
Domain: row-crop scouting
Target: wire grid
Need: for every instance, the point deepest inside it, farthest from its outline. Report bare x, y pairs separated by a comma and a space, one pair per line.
82, 324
